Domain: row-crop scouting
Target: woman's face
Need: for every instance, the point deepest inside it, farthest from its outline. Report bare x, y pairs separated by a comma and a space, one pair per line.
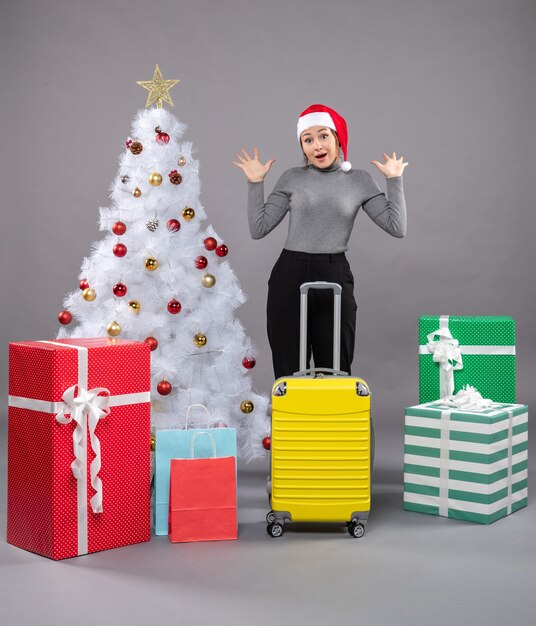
320, 146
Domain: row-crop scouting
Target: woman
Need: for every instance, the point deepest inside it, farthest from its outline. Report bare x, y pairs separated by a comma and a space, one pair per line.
323, 199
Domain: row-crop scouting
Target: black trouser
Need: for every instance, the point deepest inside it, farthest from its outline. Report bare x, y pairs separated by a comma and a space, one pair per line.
291, 270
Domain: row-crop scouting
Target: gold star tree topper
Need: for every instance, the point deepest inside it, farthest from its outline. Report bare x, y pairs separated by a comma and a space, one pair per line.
158, 89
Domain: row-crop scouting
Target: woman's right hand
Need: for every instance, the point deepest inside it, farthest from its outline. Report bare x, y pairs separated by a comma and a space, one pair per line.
252, 167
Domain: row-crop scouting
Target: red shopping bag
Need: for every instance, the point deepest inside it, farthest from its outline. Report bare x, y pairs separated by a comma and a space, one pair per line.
202, 497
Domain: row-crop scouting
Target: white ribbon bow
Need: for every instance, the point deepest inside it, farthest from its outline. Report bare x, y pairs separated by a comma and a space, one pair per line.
469, 399
447, 353
86, 403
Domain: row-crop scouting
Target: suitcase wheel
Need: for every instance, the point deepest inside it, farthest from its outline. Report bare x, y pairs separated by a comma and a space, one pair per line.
270, 517
274, 530
356, 529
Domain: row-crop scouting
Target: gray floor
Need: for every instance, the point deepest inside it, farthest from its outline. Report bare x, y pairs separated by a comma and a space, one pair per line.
408, 569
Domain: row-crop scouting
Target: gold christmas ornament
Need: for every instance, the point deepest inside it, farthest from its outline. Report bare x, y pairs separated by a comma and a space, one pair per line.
188, 213
113, 329
246, 406
135, 306
208, 280
200, 340
158, 89
155, 179
89, 294
153, 443
151, 264
181, 162
137, 192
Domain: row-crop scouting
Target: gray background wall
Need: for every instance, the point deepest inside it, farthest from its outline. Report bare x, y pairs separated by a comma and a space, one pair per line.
448, 85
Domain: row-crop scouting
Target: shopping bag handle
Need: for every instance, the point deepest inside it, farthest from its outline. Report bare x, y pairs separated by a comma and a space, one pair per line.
202, 406
198, 434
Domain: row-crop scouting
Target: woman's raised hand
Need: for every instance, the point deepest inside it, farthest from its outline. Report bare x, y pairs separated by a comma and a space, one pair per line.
392, 166
252, 167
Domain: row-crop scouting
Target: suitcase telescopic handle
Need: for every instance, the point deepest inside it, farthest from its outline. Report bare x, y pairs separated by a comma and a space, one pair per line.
304, 292
320, 370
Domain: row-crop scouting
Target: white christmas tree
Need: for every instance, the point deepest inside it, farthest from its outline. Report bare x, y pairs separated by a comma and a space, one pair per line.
161, 275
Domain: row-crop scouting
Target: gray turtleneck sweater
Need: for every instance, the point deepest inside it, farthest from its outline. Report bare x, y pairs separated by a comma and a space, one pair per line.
323, 204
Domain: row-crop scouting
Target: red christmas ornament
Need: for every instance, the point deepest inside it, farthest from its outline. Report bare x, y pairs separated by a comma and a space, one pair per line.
153, 343
65, 318
266, 443
128, 143
173, 225
162, 138
210, 243
201, 262
174, 307
119, 290
119, 228
222, 250
120, 249
164, 388
84, 284
249, 362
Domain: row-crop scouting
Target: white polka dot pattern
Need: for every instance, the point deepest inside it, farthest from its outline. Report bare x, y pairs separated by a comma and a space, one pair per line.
42, 491
493, 375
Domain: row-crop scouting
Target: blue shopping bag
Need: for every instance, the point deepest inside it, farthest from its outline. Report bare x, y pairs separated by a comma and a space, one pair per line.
175, 444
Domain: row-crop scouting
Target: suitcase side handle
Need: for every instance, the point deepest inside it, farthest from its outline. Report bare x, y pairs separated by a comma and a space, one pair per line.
304, 292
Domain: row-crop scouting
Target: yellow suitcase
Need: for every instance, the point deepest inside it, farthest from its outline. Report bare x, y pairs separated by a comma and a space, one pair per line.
320, 440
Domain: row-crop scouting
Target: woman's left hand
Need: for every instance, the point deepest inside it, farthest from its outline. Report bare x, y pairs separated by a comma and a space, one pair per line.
392, 166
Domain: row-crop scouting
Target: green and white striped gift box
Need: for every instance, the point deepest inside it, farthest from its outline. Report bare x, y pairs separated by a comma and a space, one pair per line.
469, 465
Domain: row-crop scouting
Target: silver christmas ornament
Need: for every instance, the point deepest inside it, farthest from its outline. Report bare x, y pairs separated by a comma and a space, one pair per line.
153, 224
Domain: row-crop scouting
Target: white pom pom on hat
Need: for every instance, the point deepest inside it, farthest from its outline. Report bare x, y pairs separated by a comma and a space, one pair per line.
321, 115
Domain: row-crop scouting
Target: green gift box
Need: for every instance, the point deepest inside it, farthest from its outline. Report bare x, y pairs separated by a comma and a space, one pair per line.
468, 465
455, 351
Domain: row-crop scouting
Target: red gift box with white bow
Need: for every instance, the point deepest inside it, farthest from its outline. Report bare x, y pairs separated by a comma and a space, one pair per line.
78, 445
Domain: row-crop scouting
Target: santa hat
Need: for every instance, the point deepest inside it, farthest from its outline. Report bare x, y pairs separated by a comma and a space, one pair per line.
321, 115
